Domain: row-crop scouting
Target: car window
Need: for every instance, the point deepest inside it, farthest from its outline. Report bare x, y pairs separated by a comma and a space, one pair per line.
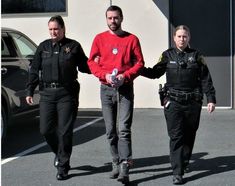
4, 49
25, 47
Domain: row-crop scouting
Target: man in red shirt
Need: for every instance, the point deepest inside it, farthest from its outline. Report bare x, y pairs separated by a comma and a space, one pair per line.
116, 59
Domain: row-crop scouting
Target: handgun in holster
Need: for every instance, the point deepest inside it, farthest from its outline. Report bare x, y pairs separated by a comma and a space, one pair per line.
162, 94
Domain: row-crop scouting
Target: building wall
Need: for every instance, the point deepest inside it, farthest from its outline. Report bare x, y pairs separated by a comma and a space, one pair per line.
84, 19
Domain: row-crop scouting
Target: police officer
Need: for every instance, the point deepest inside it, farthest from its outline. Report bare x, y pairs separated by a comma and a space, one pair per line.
54, 69
187, 78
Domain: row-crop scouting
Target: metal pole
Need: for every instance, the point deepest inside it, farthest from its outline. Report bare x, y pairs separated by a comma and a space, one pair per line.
110, 2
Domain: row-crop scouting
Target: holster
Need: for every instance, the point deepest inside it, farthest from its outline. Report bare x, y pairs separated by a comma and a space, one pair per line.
162, 94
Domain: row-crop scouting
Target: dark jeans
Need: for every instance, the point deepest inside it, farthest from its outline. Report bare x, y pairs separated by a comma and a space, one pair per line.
117, 107
182, 124
58, 110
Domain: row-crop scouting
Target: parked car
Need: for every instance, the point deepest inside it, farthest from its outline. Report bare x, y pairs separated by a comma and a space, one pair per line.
17, 51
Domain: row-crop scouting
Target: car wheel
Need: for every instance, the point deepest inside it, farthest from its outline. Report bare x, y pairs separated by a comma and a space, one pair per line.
3, 124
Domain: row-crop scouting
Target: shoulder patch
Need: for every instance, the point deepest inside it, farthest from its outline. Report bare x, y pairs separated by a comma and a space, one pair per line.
201, 60
160, 58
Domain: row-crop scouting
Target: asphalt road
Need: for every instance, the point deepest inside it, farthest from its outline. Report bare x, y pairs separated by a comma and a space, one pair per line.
27, 160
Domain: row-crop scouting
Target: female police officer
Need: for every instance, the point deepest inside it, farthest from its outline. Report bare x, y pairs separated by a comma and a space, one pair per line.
187, 78
57, 59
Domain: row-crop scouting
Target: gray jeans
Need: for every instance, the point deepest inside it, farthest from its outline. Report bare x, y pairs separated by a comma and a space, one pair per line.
117, 107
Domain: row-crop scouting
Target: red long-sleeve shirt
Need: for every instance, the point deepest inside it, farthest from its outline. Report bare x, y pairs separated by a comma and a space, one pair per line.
121, 52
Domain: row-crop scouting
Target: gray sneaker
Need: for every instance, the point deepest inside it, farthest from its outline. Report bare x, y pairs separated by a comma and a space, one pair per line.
115, 170
124, 173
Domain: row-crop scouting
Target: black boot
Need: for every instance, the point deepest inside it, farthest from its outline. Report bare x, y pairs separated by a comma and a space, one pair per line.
186, 167
62, 173
124, 172
178, 180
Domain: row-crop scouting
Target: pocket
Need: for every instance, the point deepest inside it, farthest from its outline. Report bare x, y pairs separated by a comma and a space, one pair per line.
67, 56
172, 71
46, 54
46, 62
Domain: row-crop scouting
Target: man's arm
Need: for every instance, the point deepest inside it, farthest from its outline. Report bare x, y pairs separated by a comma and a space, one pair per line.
137, 60
157, 70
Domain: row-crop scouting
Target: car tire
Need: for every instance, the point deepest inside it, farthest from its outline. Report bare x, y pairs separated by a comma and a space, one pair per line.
3, 124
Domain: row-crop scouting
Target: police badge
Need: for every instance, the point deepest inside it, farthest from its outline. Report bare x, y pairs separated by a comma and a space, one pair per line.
67, 50
190, 59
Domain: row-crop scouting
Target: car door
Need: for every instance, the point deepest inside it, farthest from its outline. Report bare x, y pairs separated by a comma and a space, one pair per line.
18, 52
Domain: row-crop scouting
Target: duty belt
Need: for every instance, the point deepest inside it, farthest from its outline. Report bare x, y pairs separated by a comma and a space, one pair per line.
184, 96
52, 85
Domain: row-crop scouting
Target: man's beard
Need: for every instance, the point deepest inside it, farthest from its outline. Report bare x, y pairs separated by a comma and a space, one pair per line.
114, 27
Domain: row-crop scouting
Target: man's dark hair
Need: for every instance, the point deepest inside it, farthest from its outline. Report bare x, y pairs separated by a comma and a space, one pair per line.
58, 19
114, 8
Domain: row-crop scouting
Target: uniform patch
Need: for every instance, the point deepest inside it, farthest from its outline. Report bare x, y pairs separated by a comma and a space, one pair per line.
160, 58
173, 62
201, 60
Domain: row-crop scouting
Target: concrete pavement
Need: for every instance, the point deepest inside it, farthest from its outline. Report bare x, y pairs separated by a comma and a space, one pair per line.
213, 161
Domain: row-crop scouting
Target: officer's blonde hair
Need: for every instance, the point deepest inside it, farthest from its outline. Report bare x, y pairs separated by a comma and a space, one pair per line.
182, 27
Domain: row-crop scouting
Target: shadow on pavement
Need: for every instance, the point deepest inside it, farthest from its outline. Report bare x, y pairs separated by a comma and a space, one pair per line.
207, 166
211, 166
22, 130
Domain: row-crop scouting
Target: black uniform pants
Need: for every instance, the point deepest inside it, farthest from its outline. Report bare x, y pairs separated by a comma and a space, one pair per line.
182, 123
58, 110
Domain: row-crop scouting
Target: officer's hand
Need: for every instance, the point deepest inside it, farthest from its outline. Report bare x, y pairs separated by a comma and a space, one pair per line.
97, 59
210, 107
119, 80
29, 100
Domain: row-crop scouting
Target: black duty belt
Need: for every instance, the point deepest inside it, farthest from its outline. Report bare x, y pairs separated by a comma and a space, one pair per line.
53, 85
178, 95
182, 95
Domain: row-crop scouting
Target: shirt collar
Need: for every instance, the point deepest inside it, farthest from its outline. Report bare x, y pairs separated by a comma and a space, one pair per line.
60, 42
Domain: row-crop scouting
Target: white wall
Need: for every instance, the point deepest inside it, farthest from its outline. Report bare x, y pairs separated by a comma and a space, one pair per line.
87, 18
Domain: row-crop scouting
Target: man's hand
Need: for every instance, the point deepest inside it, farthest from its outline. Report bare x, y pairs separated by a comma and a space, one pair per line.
117, 82
108, 78
29, 100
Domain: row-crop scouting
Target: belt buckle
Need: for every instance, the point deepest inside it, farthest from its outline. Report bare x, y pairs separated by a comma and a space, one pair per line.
187, 96
53, 85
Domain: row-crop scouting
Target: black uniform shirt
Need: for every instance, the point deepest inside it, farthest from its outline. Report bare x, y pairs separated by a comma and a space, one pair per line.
57, 63
185, 70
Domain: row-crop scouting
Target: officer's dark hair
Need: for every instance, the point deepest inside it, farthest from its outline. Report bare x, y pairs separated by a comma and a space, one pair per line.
114, 8
58, 19
182, 27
